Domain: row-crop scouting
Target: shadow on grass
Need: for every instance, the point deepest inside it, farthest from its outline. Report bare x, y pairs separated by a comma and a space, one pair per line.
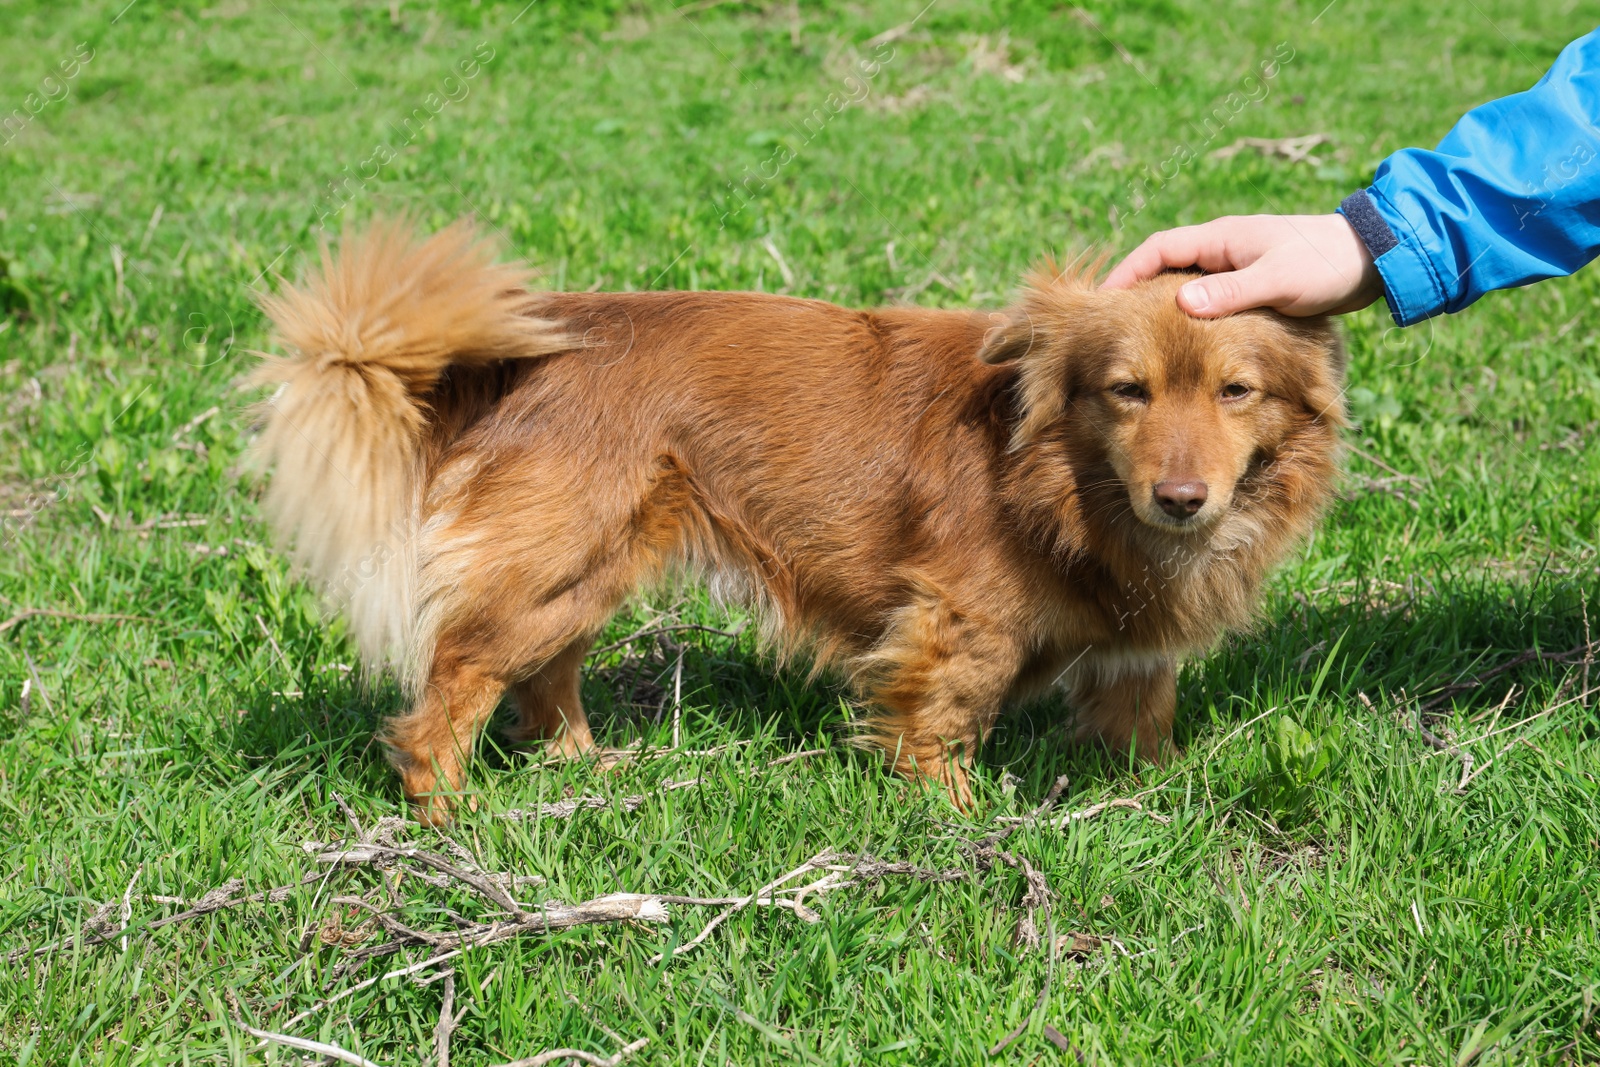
1377, 639
1386, 642
331, 723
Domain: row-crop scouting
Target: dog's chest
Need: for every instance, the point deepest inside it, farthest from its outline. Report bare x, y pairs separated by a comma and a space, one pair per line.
1172, 602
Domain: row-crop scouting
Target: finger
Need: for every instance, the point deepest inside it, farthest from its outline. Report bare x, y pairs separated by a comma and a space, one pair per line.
1168, 248
1216, 295
1205, 246
1143, 262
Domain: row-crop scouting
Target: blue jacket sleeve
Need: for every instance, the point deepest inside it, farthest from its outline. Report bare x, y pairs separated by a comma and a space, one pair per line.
1510, 196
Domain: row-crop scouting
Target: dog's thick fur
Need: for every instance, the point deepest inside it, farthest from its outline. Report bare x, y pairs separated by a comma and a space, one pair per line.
957, 509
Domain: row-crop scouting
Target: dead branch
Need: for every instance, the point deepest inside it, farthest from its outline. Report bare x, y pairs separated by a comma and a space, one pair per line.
1035, 899
1394, 486
1044, 995
565, 809
368, 852
612, 908
160, 522
793, 756
1582, 655
97, 931
842, 870
1441, 745
865, 868
578, 1054
654, 631
447, 1021
1576, 654
399, 972
1294, 149
70, 616
740, 904
1376, 462
1467, 774
1092, 811
320, 1048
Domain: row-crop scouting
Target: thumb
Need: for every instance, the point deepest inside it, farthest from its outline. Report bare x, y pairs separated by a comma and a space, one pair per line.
1216, 295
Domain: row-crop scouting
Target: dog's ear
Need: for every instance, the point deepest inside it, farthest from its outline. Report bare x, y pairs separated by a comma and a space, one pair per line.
1319, 365
1011, 334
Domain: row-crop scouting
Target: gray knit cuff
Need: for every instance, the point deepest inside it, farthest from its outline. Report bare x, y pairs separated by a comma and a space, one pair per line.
1359, 211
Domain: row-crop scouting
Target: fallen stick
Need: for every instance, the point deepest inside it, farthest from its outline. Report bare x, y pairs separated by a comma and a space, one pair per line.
70, 616
399, 972
739, 905
1092, 811
1044, 994
613, 908
1466, 779
216, 900
578, 1054
651, 631
1294, 149
1578, 653
368, 851
565, 809
305, 1045
447, 1022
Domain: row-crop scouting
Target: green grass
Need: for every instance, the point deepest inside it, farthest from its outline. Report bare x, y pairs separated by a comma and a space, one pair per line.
1316, 896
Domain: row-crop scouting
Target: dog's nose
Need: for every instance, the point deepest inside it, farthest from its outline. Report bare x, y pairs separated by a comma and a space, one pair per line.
1180, 499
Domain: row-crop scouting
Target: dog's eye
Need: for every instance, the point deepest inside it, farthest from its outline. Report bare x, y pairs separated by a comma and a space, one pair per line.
1235, 391
1130, 391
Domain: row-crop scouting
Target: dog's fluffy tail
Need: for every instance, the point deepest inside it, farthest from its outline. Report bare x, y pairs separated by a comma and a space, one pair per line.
368, 337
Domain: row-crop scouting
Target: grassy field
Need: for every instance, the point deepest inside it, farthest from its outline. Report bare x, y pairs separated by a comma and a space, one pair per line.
1315, 881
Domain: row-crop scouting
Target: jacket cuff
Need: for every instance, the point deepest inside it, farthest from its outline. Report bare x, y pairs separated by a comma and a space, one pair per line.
1410, 286
1363, 217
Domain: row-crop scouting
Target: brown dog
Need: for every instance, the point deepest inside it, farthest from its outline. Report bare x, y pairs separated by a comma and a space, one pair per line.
958, 509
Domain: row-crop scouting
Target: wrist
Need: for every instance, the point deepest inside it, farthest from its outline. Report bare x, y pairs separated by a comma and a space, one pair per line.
1366, 236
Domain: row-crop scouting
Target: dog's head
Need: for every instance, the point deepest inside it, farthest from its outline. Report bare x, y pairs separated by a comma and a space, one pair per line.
1196, 418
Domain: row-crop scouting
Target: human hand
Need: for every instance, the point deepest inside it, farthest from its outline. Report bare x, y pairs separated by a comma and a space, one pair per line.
1298, 264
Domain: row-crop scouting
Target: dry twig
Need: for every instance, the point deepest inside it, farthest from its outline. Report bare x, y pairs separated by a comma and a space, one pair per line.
578, 1054
1294, 149
70, 616
304, 1045
1578, 654
448, 1021
224, 896
1092, 811
740, 903
1044, 994
651, 631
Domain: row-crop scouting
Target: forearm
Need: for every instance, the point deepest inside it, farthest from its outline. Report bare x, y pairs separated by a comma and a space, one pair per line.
1510, 196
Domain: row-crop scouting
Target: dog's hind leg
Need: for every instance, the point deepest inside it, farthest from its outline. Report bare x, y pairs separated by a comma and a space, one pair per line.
499, 618
550, 706
432, 743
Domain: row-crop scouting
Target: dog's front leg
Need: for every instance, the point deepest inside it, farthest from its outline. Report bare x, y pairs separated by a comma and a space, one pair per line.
1127, 701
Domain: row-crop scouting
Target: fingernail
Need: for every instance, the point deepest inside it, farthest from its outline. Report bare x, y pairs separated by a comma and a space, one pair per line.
1195, 295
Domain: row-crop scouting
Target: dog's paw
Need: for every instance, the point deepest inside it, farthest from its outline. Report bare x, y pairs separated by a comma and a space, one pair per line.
958, 787
439, 809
